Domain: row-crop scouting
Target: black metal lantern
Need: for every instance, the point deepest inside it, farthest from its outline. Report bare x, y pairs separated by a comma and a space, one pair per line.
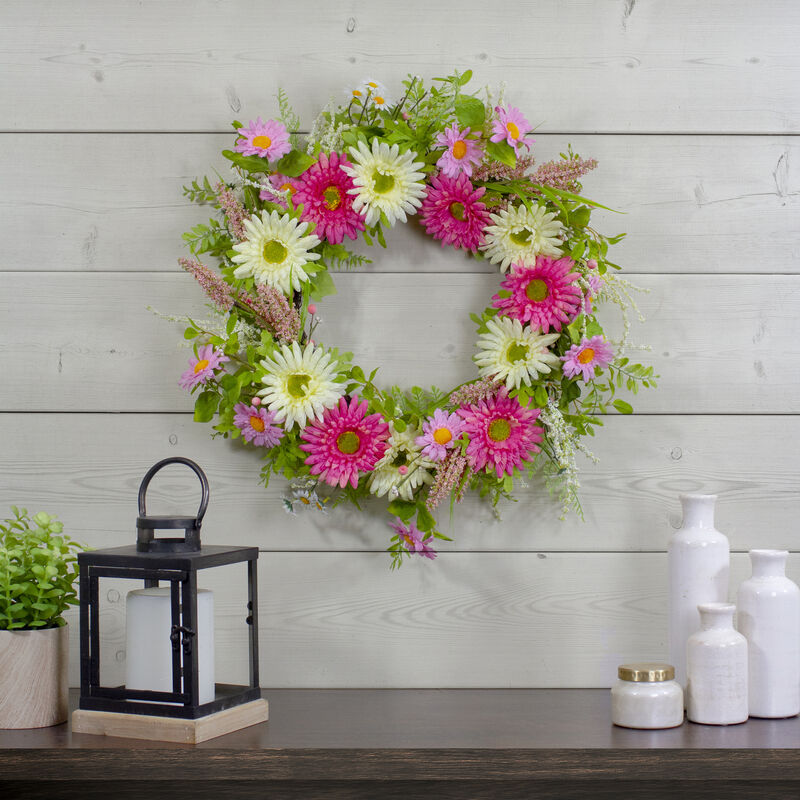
176, 561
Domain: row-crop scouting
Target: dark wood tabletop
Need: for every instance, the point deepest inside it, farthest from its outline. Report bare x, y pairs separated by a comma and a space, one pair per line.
413, 743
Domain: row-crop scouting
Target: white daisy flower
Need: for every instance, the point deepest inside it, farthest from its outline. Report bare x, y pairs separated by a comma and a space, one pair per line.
517, 236
515, 354
375, 91
403, 467
385, 181
300, 384
275, 251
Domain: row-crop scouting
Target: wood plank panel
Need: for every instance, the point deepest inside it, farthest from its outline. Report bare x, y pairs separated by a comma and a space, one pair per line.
649, 66
690, 203
463, 621
87, 468
722, 344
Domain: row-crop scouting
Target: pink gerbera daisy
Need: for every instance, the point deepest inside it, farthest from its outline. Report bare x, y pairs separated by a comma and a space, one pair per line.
323, 192
281, 183
413, 539
344, 442
583, 358
543, 294
510, 126
268, 139
257, 425
439, 434
451, 211
461, 153
202, 368
502, 434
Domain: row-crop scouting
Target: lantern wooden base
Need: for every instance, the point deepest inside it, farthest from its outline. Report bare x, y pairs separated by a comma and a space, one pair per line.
170, 729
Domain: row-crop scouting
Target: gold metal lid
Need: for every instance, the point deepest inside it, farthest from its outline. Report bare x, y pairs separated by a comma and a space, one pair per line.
646, 673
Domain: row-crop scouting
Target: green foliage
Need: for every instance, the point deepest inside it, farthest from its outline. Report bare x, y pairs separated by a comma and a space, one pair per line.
294, 163
211, 238
202, 194
413, 124
38, 571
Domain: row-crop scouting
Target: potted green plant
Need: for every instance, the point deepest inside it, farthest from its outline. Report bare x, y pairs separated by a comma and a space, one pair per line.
38, 570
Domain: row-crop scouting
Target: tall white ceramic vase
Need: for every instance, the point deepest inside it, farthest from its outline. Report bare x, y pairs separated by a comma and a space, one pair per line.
699, 563
769, 618
716, 690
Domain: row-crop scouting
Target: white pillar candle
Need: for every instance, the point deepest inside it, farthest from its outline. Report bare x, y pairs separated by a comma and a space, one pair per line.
149, 649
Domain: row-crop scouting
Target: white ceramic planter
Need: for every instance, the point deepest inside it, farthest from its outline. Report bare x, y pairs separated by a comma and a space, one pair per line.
33, 677
699, 563
716, 692
769, 618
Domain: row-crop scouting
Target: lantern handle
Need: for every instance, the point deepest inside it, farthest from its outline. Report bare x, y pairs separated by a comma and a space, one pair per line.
175, 460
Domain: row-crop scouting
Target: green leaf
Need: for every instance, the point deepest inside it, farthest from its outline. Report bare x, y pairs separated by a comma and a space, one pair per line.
190, 333
579, 218
402, 508
294, 163
623, 407
470, 112
205, 406
400, 425
425, 520
247, 163
540, 396
322, 285
502, 152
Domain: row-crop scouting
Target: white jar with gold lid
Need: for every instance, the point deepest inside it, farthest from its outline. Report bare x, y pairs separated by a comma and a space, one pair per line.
647, 696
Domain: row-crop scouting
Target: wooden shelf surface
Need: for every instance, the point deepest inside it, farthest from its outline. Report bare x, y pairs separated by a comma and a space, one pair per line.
492, 743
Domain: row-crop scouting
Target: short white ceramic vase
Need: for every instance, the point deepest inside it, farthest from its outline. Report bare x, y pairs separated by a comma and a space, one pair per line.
716, 692
699, 564
769, 618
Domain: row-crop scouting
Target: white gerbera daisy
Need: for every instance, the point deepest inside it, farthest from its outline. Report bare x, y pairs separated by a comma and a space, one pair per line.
515, 354
403, 467
300, 384
518, 235
385, 181
275, 251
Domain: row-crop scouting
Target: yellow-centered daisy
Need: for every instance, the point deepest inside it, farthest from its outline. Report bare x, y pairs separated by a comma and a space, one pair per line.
385, 181
515, 354
275, 251
403, 466
517, 236
300, 384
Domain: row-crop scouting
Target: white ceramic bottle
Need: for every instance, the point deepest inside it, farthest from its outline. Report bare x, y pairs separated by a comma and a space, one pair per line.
699, 562
716, 690
769, 618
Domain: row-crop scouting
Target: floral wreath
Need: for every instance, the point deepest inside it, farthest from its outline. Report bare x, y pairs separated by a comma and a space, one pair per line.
546, 369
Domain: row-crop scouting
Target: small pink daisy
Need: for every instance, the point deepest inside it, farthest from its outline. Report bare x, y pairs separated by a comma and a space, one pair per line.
583, 358
345, 441
439, 434
502, 434
202, 368
412, 538
323, 192
511, 126
257, 425
451, 211
281, 183
595, 284
461, 153
268, 139
543, 294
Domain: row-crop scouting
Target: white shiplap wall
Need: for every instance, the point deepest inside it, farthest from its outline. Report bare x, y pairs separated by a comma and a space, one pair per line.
692, 109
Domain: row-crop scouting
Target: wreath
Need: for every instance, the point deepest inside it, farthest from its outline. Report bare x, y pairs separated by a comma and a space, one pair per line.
463, 165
